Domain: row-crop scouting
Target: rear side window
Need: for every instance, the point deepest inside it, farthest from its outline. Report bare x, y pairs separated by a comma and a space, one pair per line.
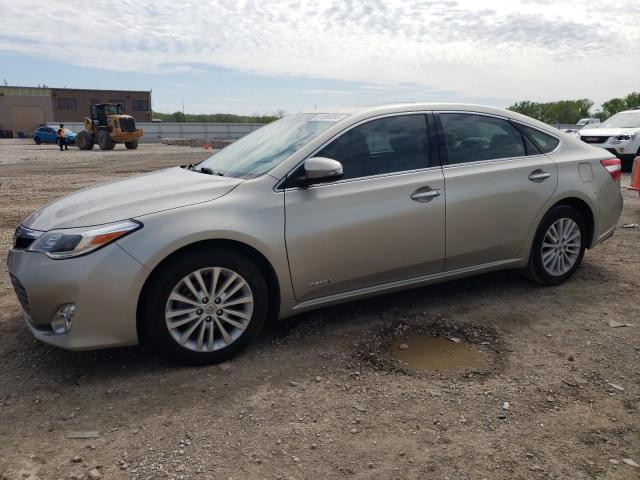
545, 142
387, 145
474, 138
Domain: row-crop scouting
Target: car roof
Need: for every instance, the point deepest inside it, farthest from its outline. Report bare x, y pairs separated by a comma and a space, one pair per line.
362, 113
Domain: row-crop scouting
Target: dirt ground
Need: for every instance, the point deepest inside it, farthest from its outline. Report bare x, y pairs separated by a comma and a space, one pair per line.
318, 396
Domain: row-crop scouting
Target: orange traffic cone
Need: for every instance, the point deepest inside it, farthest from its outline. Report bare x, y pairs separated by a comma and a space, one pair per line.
206, 146
635, 175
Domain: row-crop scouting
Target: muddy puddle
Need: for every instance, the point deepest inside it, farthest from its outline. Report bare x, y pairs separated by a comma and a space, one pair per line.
436, 354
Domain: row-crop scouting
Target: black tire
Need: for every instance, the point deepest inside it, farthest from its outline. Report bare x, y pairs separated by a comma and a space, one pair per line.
535, 270
84, 141
156, 298
105, 142
37, 140
132, 145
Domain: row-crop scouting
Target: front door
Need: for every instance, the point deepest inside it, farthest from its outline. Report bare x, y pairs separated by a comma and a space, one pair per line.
384, 221
497, 181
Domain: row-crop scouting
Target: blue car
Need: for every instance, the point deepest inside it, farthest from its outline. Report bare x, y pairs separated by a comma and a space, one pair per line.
50, 135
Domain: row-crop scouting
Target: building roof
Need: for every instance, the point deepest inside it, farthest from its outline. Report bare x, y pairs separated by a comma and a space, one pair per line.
47, 90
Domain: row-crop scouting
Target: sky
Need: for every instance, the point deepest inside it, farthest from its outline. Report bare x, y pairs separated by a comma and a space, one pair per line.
258, 56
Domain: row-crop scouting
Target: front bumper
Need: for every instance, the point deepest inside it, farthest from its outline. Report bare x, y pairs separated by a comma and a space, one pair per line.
104, 286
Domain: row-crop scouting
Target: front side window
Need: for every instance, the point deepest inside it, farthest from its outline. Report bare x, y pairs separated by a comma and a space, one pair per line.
474, 138
387, 145
118, 101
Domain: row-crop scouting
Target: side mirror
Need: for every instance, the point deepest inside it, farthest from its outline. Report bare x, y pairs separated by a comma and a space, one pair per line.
321, 169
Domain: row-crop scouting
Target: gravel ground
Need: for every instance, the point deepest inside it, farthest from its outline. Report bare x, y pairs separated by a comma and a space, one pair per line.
317, 396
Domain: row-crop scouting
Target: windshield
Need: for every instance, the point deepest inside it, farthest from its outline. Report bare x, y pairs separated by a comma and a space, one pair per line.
623, 120
260, 151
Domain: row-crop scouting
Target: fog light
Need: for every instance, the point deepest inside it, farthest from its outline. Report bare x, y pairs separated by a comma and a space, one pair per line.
61, 322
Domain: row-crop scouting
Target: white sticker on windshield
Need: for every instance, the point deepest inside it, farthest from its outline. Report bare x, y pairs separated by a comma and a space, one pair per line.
327, 117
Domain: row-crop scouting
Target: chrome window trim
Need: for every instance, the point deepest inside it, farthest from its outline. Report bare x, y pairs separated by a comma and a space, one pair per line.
494, 160
278, 187
359, 179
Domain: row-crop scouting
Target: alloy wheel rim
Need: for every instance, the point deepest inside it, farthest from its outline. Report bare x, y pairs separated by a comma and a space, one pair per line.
209, 309
561, 247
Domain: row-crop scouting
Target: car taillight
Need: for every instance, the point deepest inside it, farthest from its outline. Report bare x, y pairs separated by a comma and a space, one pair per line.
614, 167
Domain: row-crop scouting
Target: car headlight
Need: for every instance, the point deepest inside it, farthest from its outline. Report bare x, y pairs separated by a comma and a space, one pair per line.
73, 242
624, 137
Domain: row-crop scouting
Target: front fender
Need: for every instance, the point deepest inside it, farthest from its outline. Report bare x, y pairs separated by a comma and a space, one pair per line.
249, 215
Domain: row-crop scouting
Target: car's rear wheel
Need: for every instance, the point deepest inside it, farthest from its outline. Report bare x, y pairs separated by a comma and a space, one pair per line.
204, 306
37, 140
558, 247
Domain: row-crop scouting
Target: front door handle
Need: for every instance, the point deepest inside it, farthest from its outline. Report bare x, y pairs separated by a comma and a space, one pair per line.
539, 176
423, 195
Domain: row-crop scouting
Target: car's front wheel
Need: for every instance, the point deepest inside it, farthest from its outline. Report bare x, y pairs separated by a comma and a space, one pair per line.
37, 140
204, 306
558, 247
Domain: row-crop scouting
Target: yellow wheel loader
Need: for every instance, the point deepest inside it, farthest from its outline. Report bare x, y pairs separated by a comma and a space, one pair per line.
107, 126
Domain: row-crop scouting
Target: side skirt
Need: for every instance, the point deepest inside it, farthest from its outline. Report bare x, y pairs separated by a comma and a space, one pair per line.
406, 284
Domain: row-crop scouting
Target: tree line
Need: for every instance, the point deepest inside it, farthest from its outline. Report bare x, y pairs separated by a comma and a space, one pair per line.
180, 117
570, 111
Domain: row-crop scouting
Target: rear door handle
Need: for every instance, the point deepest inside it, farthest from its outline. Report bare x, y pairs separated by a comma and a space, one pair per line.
422, 195
539, 176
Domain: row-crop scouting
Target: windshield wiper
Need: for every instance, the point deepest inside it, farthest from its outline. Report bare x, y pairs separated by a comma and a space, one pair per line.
208, 171
204, 170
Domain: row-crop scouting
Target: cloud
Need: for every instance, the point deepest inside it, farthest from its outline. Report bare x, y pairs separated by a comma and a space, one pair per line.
327, 92
538, 49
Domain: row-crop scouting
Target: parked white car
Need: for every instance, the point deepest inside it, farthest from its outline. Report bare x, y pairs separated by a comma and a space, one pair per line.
620, 134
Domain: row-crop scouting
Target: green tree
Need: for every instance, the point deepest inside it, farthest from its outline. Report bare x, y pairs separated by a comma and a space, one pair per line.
633, 100
563, 111
613, 106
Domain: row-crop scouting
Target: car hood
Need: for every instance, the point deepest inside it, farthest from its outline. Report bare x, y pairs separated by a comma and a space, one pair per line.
132, 197
607, 132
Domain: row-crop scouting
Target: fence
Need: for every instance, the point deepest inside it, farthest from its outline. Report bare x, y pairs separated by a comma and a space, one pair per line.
156, 131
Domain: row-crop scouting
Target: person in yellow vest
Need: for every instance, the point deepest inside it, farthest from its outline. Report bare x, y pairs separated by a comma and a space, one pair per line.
61, 140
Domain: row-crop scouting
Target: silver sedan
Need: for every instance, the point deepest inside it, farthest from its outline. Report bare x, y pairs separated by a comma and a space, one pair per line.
309, 211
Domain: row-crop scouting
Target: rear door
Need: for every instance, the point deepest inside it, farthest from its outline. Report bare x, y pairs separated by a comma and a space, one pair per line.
382, 222
497, 182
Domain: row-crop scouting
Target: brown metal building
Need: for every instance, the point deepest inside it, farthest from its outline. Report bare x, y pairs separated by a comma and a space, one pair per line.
23, 109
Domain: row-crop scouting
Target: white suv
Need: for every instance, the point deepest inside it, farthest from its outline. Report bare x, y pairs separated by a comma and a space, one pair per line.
620, 134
